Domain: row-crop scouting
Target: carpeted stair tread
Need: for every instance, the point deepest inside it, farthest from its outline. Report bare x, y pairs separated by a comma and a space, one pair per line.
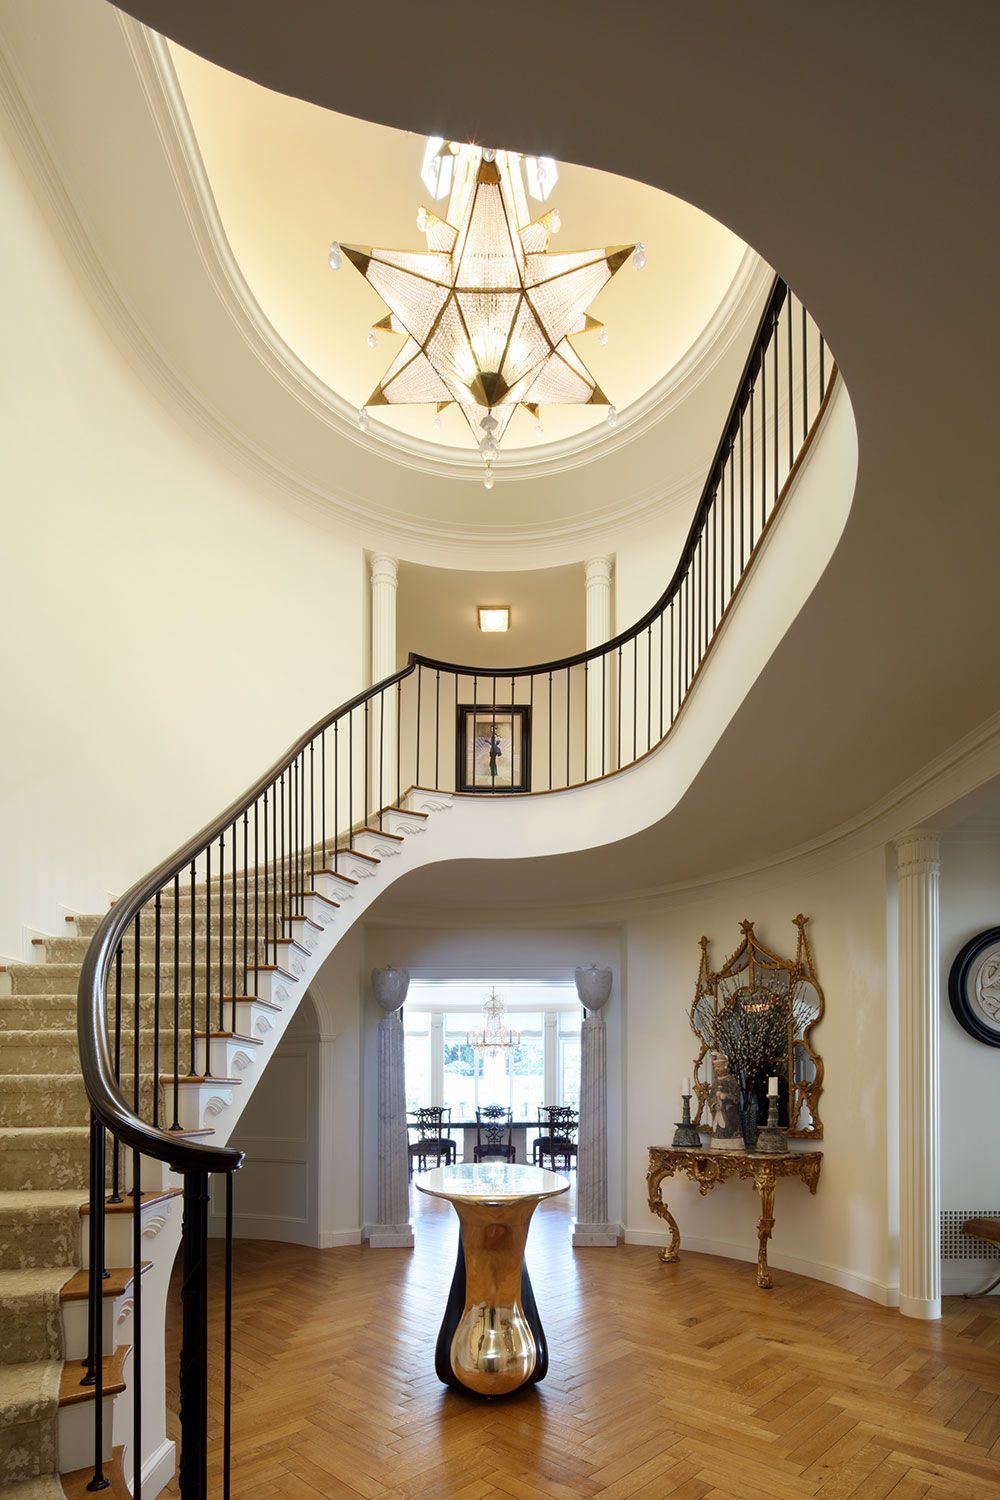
40, 1229
42, 1099
36, 1157
45, 1487
30, 1320
29, 1399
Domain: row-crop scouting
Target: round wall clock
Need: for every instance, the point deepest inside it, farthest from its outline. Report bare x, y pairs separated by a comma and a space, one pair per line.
974, 987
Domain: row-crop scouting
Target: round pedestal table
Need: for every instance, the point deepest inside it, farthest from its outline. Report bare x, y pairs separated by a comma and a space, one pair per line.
491, 1340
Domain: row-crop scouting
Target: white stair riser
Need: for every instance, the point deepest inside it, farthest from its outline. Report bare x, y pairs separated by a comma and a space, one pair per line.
75, 1440
228, 1059
117, 1325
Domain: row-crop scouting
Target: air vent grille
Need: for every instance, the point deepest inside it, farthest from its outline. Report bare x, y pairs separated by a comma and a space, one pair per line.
958, 1246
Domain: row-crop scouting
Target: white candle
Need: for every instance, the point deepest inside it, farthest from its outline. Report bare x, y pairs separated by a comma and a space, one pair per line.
687, 1087
772, 1087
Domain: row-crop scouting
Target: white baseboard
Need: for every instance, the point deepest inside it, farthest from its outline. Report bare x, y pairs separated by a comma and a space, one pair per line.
961, 1276
286, 1230
849, 1281
332, 1239
159, 1469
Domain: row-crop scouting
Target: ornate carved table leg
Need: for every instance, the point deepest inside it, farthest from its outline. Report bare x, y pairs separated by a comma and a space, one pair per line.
491, 1340
670, 1253
764, 1183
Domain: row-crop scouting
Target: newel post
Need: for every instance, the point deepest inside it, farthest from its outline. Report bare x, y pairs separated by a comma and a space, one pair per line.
593, 985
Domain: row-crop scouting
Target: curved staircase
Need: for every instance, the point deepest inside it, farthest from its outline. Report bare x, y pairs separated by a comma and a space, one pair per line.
129, 1048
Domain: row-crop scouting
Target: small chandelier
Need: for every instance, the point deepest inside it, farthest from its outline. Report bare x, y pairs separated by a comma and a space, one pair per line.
494, 1037
486, 312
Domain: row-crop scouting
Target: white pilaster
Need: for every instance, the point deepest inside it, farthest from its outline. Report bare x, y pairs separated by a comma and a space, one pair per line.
597, 573
384, 581
393, 1228
592, 1228
918, 877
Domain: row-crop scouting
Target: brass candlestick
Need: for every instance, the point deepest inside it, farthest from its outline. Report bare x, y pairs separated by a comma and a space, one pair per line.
771, 1139
686, 1134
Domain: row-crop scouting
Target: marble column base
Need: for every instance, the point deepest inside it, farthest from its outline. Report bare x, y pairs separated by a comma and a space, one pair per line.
389, 1236
594, 1236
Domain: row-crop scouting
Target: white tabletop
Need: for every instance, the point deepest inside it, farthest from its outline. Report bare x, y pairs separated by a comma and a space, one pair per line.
490, 1182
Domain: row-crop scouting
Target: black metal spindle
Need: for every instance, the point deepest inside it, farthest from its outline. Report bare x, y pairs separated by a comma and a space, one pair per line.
175, 1122
550, 731
193, 1467
791, 388
135, 1379
116, 1196
157, 924
193, 1018
208, 960
635, 692
586, 716
94, 1375
350, 779
604, 714
322, 799
279, 931
420, 683
805, 373
618, 712
246, 912
137, 1022
256, 894
234, 926
364, 819
774, 399
227, 1354
381, 751
763, 440
732, 520
267, 892
399, 743
222, 939
649, 686
569, 682
752, 466
662, 676
437, 728
336, 795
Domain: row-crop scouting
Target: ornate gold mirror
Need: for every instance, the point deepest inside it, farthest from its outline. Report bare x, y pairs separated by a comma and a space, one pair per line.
762, 984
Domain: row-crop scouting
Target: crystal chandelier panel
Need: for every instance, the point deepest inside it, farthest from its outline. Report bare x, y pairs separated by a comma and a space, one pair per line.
487, 310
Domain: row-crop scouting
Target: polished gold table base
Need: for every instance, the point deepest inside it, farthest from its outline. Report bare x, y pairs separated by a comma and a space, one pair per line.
491, 1340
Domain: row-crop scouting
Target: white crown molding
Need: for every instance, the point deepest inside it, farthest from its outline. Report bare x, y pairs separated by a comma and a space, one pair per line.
161, 88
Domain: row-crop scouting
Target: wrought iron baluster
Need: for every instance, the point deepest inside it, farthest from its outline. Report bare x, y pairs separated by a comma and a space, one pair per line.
157, 924
135, 1379
175, 1123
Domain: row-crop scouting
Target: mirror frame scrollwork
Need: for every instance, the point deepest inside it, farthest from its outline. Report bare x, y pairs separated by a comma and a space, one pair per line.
803, 1094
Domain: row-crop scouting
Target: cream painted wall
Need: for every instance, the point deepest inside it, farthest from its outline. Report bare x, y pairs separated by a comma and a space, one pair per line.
970, 1071
842, 1234
163, 627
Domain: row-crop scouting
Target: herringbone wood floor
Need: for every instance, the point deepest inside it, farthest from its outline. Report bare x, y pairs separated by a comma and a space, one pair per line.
665, 1381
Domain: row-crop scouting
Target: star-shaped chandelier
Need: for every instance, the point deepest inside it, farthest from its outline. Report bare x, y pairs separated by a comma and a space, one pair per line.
487, 312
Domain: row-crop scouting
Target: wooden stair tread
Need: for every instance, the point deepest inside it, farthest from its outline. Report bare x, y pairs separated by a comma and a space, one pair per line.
75, 1483
72, 1393
358, 853
185, 1080
383, 833
251, 1000
274, 969
233, 1036
125, 1207
115, 1284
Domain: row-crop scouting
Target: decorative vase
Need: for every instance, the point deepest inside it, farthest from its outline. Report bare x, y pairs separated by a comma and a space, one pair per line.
389, 986
748, 1120
593, 986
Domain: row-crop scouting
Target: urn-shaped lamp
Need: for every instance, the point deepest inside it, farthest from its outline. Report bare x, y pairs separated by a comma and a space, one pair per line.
389, 987
593, 985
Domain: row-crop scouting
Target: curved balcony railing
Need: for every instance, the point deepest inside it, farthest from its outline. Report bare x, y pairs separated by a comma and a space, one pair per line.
177, 953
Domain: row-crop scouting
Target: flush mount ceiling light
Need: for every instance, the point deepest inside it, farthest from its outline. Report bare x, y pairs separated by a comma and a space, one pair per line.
494, 617
486, 312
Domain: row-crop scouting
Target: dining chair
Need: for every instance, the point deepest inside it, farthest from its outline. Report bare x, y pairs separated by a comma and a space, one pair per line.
494, 1125
432, 1126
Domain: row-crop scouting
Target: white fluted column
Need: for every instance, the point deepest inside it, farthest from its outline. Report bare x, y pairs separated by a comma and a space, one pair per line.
393, 1229
918, 880
592, 1228
382, 721
597, 573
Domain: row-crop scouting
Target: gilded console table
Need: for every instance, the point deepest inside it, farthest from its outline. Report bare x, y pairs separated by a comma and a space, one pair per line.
491, 1340
707, 1168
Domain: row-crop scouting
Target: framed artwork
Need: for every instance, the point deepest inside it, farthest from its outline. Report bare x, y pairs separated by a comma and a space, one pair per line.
494, 748
974, 987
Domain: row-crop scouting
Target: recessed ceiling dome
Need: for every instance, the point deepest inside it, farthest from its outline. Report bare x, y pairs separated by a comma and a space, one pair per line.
288, 177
